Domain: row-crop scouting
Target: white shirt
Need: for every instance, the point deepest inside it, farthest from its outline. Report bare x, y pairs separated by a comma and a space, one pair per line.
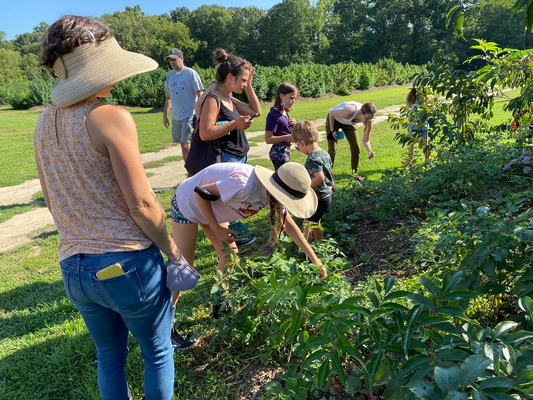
241, 193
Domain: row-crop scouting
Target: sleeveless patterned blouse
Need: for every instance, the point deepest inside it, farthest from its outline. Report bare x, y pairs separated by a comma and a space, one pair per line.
86, 202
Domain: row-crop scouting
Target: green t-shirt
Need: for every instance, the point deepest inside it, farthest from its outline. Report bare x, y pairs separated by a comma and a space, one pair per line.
320, 161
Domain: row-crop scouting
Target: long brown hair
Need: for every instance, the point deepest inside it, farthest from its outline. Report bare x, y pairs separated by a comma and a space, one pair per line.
411, 97
275, 218
283, 89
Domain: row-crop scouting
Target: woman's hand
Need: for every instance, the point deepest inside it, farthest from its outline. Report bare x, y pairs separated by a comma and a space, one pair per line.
252, 71
322, 271
371, 154
292, 121
243, 122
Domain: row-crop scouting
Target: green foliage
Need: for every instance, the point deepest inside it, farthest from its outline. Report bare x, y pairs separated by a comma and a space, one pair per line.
147, 90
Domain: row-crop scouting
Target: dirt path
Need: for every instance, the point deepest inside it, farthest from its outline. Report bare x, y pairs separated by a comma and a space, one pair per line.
24, 228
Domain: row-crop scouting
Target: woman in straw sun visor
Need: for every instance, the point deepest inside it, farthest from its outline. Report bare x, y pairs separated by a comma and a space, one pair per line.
111, 227
233, 191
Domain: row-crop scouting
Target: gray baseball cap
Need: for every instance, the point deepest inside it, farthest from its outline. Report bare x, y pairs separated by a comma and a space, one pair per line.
175, 53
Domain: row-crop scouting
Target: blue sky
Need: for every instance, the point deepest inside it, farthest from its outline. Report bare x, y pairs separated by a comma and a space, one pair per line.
17, 17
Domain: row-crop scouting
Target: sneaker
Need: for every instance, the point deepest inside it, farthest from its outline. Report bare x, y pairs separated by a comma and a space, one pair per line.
220, 307
181, 341
357, 178
245, 241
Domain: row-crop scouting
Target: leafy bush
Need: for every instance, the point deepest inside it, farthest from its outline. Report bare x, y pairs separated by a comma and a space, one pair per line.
39, 91
20, 96
312, 80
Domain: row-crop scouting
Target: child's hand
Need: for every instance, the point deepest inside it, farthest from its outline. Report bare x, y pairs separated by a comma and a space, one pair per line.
225, 234
292, 121
371, 154
322, 271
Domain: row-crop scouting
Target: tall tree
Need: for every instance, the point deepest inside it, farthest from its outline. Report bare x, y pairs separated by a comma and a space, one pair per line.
493, 20
181, 14
151, 35
211, 25
244, 35
387, 35
10, 67
30, 43
345, 33
286, 34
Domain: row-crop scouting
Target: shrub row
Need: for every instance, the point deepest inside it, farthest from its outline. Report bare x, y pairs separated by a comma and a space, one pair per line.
312, 80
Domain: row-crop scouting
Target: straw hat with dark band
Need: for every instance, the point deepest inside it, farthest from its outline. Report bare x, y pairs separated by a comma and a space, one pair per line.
291, 186
92, 67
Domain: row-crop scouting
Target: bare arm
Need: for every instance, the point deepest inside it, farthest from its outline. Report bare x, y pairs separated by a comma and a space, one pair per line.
366, 139
317, 179
253, 106
296, 235
200, 100
271, 139
166, 110
113, 132
208, 128
224, 234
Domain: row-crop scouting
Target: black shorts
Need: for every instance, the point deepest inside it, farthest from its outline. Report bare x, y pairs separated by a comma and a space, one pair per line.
323, 206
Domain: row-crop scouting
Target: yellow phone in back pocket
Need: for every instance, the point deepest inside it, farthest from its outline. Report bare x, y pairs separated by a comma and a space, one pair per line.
110, 272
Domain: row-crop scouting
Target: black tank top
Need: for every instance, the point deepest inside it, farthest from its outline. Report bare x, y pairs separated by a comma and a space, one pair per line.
234, 142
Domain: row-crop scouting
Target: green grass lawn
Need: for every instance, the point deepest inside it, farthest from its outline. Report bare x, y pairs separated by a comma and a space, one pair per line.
17, 163
45, 350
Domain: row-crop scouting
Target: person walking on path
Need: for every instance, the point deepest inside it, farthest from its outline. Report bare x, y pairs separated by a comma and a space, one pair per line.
110, 224
343, 118
279, 125
183, 87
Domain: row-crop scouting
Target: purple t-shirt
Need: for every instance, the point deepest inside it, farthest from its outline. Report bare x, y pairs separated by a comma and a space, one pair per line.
278, 123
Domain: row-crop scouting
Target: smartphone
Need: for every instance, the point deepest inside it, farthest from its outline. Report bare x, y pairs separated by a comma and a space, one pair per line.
110, 272
253, 116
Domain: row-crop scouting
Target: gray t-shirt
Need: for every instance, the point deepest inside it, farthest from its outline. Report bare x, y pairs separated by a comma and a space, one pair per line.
182, 87
321, 161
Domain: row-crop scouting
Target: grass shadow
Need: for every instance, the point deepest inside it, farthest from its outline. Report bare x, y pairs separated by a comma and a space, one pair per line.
34, 307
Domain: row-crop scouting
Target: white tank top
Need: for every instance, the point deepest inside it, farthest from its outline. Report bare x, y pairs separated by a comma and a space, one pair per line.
346, 121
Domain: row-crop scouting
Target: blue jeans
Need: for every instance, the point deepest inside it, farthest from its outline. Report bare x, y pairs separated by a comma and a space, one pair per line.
138, 302
227, 157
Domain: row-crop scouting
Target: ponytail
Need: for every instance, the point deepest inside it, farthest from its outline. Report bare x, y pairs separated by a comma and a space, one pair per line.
276, 219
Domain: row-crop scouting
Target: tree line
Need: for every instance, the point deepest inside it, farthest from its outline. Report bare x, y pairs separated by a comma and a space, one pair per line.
291, 32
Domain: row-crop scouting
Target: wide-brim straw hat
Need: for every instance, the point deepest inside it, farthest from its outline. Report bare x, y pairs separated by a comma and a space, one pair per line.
291, 186
92, 67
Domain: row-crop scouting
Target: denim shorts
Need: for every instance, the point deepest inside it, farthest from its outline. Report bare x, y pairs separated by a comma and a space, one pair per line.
227, 157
